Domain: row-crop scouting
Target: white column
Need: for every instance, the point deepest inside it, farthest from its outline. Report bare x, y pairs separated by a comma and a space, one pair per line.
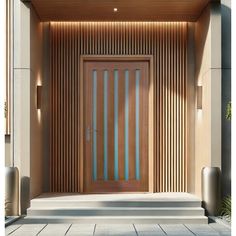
208, 75
21, 98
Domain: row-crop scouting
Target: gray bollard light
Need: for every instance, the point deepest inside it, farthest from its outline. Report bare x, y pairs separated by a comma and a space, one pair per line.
11, 191
211, 189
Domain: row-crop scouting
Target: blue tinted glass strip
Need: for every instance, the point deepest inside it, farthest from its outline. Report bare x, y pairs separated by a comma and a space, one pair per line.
105, 79
126, 124
137, 79
116, 176
94, 125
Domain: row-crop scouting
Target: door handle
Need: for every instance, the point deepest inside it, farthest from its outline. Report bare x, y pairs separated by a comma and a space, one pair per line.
88, 133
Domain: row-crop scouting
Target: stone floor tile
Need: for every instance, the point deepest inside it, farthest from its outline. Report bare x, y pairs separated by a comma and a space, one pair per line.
55, 230
176, 230
9, 229
223, 230
202, 230
28, 230
149, 229
81, 230
115, 229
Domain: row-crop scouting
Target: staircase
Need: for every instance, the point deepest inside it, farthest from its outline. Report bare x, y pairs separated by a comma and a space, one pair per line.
161, 208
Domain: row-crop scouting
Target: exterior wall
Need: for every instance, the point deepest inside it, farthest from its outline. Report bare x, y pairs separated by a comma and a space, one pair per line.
226, 95
208, 74
27, 131
36, 144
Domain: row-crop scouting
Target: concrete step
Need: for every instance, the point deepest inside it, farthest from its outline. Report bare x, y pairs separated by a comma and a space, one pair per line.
117, 208
36, 203
57, 200
117, 219
115, 211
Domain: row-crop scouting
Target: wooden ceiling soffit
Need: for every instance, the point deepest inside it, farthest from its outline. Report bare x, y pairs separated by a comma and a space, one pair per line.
132, 10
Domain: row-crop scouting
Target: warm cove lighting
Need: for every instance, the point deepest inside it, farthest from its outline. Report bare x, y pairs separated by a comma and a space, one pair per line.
39, 96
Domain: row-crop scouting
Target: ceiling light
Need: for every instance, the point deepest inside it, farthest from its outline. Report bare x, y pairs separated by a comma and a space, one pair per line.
115, 9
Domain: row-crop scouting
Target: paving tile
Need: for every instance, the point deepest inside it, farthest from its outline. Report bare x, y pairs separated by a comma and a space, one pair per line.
202, 230
223, 230
28, 230
9, 229
115, 229
213, 229
55, 230
176, 230
81, 230
149, 229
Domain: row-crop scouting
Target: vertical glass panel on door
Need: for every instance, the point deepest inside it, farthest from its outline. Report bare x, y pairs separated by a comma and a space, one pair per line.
116, 170
137, 162
105, 124
94, 128
126, 124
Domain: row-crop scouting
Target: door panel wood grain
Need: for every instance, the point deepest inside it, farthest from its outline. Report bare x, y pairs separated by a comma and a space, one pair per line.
116, 158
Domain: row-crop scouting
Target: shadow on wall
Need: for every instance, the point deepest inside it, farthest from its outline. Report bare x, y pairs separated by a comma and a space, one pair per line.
226, 97
201, 31
25, 194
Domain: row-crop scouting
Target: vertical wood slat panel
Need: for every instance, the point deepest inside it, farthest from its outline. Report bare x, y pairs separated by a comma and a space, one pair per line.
167, 42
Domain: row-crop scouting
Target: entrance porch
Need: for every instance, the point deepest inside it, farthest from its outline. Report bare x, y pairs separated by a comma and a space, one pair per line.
148, 133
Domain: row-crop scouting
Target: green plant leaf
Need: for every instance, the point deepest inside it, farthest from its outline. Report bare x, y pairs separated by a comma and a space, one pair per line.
226, 208
228, 115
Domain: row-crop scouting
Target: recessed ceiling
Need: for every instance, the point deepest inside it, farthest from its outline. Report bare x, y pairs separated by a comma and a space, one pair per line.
127, 10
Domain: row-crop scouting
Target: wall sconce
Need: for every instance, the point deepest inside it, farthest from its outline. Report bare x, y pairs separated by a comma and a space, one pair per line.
39, 96
199, 97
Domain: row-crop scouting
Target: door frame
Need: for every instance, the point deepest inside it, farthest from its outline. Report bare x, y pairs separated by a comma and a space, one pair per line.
147, 58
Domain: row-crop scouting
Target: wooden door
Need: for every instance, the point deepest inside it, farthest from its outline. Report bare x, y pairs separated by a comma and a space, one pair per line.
116, 126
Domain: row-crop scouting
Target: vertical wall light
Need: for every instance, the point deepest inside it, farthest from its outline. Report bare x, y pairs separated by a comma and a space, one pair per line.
199, 97
39, 96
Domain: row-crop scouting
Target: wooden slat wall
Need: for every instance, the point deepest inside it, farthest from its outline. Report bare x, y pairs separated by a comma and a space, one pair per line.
167, 42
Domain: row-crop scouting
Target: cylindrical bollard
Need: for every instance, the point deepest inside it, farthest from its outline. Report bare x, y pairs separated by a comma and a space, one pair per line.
11, 191
211, 186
